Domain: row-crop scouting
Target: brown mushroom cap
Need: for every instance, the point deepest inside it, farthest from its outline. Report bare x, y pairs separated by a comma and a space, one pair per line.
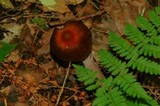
73, 43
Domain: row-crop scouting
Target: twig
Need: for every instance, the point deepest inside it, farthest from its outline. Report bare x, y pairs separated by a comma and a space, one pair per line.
62, 89
71, 97
78, 18
59, 87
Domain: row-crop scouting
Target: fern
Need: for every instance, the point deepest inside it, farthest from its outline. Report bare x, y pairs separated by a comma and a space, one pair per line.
112, 98
142, 64
145, 25
134, 34
142, 44
112, 63
151, 50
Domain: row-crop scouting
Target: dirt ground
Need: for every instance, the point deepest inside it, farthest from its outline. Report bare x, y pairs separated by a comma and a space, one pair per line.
30, 77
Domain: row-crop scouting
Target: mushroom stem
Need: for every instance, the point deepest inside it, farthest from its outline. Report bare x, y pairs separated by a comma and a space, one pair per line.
90, 63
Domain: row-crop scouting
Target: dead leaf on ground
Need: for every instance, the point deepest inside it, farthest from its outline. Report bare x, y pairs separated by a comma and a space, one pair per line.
60, 7
124, 11
44, 42
14, 30
74, 2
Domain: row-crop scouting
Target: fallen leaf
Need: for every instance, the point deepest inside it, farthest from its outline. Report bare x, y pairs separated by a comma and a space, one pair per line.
45, 42
14, 56
7, 3
55, 5
48, 4
61, 6
6, 90
13, 31
74, 2
21, 104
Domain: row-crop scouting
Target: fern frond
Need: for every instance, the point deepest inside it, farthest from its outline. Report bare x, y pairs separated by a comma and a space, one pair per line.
121, 46
127, 82
145, 25
87, 76
104, 84
142, 64
154, 18
109, 61
155, 40
133, 34
112, 98
136, 103
151, 50
157, 9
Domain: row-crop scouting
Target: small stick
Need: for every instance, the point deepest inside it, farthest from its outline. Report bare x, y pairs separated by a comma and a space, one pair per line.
77, 18
62, 89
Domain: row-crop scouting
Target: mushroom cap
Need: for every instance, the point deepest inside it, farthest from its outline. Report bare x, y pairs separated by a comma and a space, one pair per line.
73, 43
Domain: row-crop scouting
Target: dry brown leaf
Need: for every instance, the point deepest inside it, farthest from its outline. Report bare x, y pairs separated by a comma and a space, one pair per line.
30, 79
6, 90
48, 65
60, 7
21, 104
65, 103
30, 73
14, 56
44, 42
54, 83
14, 31
74, 2
124, 11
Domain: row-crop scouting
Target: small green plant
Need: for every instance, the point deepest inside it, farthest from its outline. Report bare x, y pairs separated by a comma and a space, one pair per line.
40, 22
137, 52
6, 49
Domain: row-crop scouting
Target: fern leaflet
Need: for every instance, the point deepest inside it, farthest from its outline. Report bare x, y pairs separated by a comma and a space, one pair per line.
145, 25
151, 50
112, 63
128, 84
133, 34
112, 98
142, 64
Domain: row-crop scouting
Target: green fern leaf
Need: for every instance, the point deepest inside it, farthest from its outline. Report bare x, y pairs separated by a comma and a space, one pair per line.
157, 9
105, 84
92, 87
121, 46
144, 65
136, 103
109, 61
151, 50
133, 34
112, 98
85, 74
100, 101
155, 40
128, 84
90, 79
154, 18
145, 25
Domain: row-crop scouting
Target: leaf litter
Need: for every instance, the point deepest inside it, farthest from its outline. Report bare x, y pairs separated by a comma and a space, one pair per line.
29, 76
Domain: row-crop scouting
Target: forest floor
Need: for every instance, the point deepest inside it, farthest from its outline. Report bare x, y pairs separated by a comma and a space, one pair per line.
30, 77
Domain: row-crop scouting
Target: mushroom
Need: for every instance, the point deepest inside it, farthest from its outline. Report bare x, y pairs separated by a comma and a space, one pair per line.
73, 43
